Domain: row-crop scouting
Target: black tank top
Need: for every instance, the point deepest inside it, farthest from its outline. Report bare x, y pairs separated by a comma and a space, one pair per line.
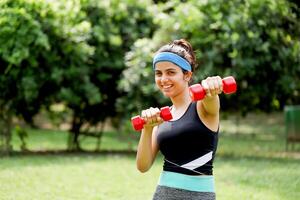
187, 144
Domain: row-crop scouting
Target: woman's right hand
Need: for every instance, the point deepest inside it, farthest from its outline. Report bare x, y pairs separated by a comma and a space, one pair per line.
147, 147
152, 117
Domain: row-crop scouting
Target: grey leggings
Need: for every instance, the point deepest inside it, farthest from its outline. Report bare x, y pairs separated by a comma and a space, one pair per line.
168, 193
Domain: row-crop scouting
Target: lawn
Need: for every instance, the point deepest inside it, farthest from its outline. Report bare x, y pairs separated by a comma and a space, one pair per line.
114, 177
251, 163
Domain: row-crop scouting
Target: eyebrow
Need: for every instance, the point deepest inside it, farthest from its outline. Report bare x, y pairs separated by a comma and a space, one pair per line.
168, 69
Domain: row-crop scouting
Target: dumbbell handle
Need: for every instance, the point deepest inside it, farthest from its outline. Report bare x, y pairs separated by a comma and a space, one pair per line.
198, 93
138, 122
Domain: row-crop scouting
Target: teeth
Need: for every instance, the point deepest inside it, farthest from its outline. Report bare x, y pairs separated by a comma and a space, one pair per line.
167, 86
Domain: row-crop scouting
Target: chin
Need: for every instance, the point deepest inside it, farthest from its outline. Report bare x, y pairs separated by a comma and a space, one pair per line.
168, 94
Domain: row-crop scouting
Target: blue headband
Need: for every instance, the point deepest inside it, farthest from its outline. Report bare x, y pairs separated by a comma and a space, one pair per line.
173, 58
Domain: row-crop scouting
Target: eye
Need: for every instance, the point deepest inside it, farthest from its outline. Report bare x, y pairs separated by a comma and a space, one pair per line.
158, 73
171, 72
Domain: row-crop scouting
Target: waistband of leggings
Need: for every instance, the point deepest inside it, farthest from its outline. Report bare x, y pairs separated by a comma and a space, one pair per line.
187, 182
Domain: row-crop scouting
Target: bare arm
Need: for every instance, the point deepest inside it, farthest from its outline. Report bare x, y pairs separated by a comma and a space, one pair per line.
209, 107
211, 103
147, 147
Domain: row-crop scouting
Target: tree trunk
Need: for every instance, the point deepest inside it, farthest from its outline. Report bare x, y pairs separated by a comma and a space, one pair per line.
73, 143
100, 136
5, 130
237, 124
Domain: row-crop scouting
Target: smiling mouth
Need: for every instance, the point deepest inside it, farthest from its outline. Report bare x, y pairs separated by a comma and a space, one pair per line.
167, 87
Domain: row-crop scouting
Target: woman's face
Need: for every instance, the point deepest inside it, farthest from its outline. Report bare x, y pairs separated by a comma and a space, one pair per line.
170, 79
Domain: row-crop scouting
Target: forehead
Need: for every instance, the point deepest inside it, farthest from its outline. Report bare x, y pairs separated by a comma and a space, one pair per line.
165, 65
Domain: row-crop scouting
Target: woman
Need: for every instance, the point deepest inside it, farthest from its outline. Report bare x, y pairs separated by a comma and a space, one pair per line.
189, 141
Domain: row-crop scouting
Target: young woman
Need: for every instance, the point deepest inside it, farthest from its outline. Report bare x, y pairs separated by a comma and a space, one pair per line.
189, 141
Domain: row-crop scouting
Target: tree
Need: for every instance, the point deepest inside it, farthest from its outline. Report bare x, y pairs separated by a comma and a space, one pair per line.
255, 41
68, 52
38, 54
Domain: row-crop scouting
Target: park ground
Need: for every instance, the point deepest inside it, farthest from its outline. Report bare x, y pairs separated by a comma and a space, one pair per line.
251, 163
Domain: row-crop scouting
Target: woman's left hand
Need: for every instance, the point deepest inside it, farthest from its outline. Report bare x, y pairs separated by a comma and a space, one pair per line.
212, 86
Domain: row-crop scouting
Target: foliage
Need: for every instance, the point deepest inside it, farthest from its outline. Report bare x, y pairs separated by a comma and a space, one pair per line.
255, 41
39, 55
138, 79
68, 52
94, 57
115, 26
44, 54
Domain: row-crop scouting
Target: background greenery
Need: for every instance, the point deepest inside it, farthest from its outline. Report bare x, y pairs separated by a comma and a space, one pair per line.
93, 58
73, 72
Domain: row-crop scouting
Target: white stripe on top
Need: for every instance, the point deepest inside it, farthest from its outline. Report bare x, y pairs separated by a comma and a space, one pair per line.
198, 162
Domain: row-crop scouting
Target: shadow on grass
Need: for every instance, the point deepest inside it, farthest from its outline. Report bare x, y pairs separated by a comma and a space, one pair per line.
279, 156
68, 153
34, 159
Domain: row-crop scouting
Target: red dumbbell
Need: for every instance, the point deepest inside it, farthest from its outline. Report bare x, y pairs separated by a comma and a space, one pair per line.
197, 92
138, 122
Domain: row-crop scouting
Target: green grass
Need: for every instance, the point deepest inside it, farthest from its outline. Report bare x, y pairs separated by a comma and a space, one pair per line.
251, 163
43, 139
114, 177
71, 177
253, 178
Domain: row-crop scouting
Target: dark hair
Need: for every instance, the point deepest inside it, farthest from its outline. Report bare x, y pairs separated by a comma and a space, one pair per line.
182, 48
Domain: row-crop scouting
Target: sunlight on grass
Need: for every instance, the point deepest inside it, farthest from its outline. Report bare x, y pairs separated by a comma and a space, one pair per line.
114, 177
251, 163
74, 177
250, 178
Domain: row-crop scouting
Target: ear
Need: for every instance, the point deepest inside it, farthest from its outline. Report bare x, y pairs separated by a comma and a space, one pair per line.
187, 76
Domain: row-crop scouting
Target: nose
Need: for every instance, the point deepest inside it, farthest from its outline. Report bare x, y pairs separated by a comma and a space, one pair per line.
164, 78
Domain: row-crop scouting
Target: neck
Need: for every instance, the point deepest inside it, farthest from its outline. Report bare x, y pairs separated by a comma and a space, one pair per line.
182, 100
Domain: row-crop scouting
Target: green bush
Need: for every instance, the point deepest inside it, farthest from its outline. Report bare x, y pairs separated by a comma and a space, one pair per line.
255, 41
68, 52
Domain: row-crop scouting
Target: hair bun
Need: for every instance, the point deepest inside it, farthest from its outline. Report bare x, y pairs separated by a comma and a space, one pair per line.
184, 44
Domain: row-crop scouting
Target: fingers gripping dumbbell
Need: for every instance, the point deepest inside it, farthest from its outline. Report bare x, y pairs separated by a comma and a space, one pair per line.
138, 122
197, 92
